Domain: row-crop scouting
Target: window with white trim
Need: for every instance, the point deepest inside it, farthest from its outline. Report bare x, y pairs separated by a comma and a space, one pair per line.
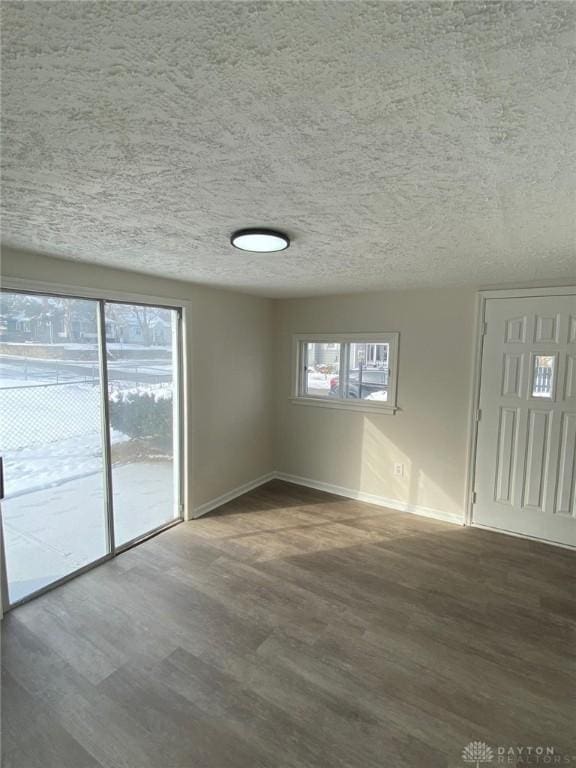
354, 371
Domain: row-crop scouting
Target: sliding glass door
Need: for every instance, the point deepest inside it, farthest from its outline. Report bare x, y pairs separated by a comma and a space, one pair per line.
89, 432
142, 356
54, 513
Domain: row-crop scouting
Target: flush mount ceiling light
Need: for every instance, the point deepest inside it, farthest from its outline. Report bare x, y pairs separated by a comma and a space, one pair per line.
260, 240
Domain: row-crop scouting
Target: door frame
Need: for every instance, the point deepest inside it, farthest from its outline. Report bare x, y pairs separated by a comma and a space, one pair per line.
480, 328
100, 296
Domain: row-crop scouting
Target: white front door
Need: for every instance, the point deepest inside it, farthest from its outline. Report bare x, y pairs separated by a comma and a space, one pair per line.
526, 451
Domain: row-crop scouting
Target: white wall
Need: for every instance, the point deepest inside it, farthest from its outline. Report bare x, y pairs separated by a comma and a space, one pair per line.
229, 345
429, 434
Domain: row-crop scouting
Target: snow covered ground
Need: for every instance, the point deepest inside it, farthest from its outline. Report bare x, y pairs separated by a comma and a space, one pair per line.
380, 395
53, 514
116, 346
26, 371
50, 434
318, 383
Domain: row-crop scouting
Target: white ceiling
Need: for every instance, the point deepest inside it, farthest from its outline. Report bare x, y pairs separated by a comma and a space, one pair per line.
399, 144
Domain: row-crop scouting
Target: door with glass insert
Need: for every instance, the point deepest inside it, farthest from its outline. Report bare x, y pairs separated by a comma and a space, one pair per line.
526, 449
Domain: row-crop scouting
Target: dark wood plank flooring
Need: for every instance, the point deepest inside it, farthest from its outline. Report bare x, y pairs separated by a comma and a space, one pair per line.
294, 629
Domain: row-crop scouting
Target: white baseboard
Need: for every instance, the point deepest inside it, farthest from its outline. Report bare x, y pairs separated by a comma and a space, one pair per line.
208, 506
370, 498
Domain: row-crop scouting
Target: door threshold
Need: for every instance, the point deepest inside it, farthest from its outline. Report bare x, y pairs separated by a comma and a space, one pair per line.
58, 582
85, 568
148, 535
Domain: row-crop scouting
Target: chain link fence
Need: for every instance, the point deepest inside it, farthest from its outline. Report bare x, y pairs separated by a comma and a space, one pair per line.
37, 414
43, 401
40, 406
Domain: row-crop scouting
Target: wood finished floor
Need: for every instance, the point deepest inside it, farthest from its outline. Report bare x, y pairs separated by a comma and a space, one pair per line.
291, 629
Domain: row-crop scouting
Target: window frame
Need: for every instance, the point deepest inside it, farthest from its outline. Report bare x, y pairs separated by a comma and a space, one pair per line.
298, 393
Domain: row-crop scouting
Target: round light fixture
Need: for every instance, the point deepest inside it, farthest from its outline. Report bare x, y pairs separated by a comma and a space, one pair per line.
260, 240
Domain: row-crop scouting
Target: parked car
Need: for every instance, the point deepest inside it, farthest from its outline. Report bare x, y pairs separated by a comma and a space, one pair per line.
373, 385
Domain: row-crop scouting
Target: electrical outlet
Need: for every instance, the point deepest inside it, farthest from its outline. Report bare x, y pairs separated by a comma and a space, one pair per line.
399, 470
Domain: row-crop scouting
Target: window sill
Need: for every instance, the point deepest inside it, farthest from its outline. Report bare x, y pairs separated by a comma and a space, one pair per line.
344, 405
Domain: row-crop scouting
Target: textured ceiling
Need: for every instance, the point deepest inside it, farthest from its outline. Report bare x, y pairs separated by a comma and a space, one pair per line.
400, 144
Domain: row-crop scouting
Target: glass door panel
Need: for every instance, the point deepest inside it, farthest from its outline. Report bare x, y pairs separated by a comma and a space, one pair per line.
142, 344
54, 512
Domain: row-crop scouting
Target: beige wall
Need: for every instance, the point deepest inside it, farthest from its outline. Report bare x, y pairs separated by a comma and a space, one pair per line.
229, 345
429, 434
240, 354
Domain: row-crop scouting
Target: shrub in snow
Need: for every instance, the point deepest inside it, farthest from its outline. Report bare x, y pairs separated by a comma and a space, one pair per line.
143, 414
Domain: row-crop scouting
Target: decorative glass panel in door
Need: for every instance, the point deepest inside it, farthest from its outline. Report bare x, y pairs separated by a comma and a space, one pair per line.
142, 354
525, 479
54, 512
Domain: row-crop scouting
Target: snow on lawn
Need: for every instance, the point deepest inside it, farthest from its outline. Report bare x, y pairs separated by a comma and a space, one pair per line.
37, 415
43, 466
318, 383
8, 382
48, 371
113, 345
52, 434
380, 395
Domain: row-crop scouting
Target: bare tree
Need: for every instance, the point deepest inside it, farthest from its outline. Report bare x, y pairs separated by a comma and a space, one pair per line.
125, 314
